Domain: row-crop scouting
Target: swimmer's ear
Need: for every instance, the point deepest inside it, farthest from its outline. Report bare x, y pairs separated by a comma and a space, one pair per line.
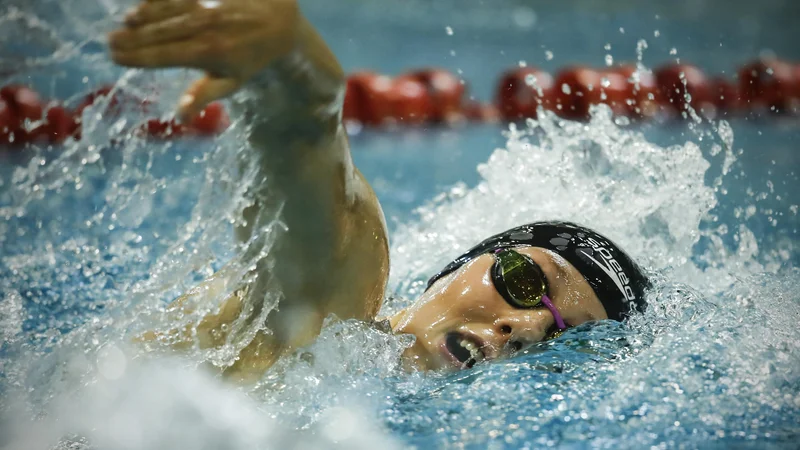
202, 92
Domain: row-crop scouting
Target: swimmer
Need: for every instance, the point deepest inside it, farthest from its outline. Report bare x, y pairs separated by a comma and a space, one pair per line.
509, 292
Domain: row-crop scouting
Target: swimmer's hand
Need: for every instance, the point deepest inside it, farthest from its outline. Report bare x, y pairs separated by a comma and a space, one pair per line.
231, 40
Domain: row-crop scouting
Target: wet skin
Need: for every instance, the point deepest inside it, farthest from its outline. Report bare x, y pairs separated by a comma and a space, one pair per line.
466, 307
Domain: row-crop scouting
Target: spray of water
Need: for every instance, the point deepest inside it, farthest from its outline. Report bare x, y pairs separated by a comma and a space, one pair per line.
650, 200
100, 235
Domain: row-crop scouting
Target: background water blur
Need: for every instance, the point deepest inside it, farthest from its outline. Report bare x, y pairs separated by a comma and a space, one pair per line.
95, 231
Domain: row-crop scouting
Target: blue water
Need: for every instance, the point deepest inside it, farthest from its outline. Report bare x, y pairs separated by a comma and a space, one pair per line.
114, 230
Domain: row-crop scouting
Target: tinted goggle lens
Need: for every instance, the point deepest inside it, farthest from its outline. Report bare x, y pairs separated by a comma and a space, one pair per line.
518, 279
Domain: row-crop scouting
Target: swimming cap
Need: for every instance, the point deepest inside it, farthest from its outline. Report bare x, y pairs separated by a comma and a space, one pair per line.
616, 279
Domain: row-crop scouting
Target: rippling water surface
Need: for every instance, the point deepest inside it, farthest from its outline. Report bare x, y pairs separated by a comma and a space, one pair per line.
99, 235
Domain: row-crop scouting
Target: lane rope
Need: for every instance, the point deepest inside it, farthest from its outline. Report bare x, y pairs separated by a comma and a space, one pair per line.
767, 86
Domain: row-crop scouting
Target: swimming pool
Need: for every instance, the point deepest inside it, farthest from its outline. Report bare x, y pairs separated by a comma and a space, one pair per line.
99, 235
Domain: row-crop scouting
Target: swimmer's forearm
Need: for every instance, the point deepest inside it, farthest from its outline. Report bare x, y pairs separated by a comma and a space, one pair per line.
335, 252
292, 111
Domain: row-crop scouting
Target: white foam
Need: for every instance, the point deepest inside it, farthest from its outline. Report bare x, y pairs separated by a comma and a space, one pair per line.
649, 199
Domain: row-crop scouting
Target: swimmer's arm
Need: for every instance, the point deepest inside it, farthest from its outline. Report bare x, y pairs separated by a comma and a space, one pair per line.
335, 253
333, 258
289, 87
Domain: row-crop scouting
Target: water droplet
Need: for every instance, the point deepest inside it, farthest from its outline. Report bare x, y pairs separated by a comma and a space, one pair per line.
656, 33
673, 51
548, 55
609, 60
448, 30
524, 17
607, 46
566, 89
641, 46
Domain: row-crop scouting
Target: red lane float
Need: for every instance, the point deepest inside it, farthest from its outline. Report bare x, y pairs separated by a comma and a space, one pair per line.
114, 107
409, 101
627, 91
796, 84
683, 86
367, 98
446, 92
522, 91
413, 99
212, 120
769, 84
60, 124
416, 98
24, 119
616, 92
162, 129
437, 96
25, 110
642, 99
576, 89
726, 97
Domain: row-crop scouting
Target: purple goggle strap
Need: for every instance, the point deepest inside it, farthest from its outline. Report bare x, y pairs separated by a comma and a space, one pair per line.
549, 304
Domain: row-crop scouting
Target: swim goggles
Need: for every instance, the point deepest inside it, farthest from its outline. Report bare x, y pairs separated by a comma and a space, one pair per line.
521, 282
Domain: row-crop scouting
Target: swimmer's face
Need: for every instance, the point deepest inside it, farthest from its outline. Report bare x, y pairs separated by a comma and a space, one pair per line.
462, 316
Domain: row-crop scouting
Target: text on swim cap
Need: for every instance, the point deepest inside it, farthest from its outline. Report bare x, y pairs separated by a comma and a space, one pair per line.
612, 268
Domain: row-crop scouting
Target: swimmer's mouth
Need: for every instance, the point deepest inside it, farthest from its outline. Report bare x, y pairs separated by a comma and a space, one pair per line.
464, 348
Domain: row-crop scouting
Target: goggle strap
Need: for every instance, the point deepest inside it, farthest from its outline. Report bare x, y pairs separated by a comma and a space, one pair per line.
556, 315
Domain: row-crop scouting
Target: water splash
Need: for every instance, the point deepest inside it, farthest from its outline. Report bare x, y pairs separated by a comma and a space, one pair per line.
98, 236
651, 200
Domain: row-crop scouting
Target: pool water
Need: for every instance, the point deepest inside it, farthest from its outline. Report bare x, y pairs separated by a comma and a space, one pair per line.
99, 236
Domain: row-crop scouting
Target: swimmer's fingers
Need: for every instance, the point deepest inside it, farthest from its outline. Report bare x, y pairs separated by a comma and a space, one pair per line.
170, 30
191, 54
202, 92
157, 10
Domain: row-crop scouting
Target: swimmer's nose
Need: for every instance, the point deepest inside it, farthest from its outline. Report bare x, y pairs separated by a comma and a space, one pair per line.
519, 332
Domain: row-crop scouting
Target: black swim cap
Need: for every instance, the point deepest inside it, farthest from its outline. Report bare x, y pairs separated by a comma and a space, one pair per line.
617, 281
